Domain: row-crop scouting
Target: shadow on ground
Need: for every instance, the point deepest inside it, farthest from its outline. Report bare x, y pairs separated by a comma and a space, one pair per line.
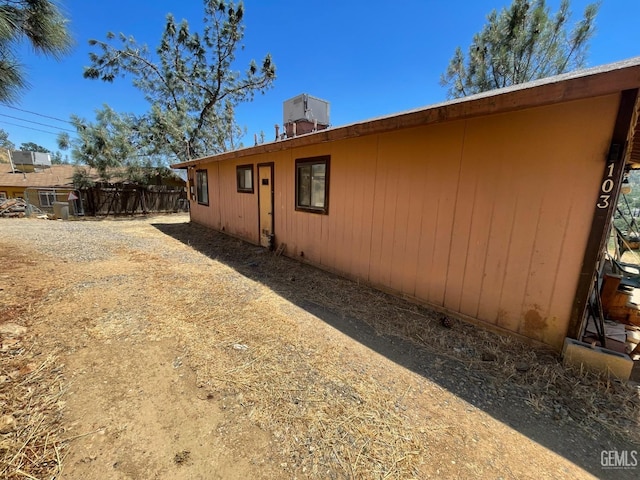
412, 336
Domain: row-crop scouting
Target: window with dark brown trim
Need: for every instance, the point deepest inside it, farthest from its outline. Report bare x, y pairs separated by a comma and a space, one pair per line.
202, 187
244, 175
312, 184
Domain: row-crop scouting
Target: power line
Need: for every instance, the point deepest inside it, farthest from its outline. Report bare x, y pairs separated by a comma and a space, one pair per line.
39, 114
29, 128
37, 123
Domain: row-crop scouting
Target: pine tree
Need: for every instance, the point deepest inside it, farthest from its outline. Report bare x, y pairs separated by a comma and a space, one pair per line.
33, 147
107, 143
189, 82
5, 143
114, 142
523, 42
39, 22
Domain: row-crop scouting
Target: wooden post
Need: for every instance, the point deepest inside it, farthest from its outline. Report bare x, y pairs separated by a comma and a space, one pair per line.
603, 209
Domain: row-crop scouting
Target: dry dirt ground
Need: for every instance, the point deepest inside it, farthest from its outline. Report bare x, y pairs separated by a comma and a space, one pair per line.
156, 349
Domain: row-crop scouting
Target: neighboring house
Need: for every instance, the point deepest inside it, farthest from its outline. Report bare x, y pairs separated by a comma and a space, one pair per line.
494, 207
41, 187
44, 185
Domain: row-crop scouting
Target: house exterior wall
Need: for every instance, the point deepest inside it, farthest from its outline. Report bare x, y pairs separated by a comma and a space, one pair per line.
32, 194
487, 217
13, 192
230, 211
43, 197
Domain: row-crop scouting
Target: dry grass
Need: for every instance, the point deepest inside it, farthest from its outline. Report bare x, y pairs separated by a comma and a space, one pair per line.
328, 420
32, 389
254, 350
31, 381
335, 421
592, 400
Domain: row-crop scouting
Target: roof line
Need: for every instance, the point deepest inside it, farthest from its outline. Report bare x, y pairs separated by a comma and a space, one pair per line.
576, 85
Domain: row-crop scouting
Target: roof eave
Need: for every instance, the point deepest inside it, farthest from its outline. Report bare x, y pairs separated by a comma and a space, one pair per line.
580, 84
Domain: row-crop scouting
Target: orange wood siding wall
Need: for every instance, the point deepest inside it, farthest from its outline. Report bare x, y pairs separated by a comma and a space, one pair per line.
487, 217
233, 212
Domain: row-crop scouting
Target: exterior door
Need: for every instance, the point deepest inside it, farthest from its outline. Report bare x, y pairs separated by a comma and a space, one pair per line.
265, 201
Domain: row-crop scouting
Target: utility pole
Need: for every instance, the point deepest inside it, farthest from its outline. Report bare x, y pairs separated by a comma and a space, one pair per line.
13, 170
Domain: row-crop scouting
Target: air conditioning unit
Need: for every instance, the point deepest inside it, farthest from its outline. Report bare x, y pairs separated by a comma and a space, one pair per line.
30, 161
305, 114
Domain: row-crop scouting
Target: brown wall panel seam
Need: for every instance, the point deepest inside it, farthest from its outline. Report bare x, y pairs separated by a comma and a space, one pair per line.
455, 212
373, 207
530, 263
424, 168
470, 230
487, 248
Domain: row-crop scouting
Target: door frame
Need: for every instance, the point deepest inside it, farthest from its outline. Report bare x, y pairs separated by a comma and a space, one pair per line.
271, 166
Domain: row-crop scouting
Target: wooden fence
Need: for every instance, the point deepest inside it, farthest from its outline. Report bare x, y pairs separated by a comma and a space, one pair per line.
127, 199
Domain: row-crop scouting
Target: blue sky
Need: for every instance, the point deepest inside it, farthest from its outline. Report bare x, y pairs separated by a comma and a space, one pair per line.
366, 57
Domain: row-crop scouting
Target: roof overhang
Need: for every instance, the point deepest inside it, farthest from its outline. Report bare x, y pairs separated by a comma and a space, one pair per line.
633, 145
593, 82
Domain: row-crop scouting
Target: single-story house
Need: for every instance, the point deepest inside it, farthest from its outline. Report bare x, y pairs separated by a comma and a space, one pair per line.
41, 187
46, 184
494, 208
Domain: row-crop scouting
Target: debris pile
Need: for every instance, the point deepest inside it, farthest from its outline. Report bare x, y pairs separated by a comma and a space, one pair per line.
17, 207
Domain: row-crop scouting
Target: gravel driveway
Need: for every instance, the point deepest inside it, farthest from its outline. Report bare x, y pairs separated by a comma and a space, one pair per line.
293, 371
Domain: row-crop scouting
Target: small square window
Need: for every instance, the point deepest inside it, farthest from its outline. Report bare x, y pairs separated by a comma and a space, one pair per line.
3, 196
312, 184
46, 198
244, 175
202, 187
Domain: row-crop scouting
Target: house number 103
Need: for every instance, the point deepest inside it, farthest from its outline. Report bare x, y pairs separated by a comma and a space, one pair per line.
606, 188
